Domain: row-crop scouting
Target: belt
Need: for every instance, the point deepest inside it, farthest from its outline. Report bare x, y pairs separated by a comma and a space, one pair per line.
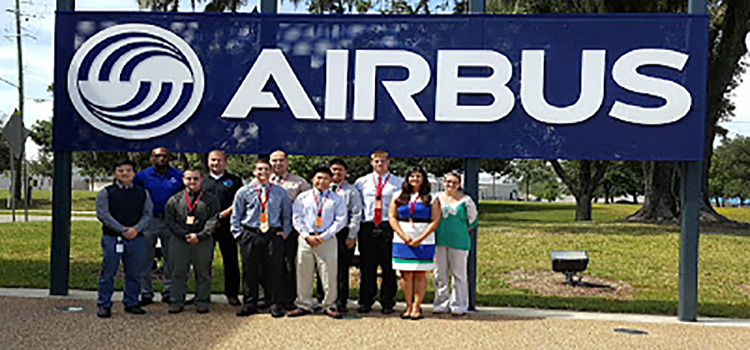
258, 231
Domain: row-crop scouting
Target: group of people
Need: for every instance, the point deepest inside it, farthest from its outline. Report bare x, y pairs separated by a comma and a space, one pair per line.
287, 230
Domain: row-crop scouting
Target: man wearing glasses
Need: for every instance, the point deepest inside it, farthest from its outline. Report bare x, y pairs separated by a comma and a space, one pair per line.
162, 182
191, 217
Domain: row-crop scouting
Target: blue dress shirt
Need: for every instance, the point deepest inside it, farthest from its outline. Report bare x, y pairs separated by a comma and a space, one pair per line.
247, 208
159, 187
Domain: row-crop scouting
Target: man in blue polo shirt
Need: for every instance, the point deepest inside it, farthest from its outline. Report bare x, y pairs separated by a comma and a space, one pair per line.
161, 181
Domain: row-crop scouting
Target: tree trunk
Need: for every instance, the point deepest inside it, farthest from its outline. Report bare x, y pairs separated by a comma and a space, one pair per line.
583, 207
660, 203
588, 177
635, 198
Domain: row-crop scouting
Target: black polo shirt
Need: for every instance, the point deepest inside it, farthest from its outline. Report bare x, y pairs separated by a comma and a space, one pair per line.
225, 187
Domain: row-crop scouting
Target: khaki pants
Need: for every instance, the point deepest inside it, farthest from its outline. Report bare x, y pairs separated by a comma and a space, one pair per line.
325, 256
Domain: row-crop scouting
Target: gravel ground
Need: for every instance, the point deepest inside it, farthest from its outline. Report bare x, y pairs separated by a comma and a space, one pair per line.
36, 324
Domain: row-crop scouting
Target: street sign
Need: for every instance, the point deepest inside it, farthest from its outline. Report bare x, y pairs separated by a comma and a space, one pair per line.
15, 134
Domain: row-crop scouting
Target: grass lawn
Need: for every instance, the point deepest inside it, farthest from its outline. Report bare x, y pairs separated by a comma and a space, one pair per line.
512, 236
41, 199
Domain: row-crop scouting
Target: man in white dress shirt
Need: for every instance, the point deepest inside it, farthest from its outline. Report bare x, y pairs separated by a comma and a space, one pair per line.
376, 235
318, 215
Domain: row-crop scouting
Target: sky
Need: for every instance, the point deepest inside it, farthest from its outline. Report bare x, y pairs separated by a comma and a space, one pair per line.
38, 24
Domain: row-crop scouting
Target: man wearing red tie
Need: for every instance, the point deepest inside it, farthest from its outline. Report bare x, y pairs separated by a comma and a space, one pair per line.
376, 235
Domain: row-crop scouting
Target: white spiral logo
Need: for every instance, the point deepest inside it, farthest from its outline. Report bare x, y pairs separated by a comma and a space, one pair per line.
135, 81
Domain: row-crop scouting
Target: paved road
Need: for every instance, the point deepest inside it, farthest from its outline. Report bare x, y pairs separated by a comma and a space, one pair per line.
32, 322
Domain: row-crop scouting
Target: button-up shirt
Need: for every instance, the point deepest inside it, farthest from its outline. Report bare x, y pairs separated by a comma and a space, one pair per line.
247, 207
332, 213
353, 200
204, 214
159, 186
293, 184
104, 215
367, 186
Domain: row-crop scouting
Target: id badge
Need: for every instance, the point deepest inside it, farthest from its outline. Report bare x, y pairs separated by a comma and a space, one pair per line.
263, 217
378, 204
318, 221
190, 220
119, 248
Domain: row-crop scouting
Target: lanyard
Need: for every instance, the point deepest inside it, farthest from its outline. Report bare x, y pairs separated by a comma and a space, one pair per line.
322, 203
281, 182
192, 207
380, 186
260, 199
412, 204
338, 187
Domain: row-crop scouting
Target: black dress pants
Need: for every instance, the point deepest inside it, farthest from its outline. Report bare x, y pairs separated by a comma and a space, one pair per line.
376, 248
228, 248
262, 252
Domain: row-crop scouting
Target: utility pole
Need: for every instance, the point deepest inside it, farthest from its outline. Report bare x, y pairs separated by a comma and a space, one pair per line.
18, 170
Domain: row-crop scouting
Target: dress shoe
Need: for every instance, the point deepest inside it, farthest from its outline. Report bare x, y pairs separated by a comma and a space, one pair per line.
364, 309
104, 312
298, 312
458, 314
290, 306
342, 309
175, 309
277, 311
387, 310
333, 313
201, 309
247, 311
234, 301
135, 310
146, 301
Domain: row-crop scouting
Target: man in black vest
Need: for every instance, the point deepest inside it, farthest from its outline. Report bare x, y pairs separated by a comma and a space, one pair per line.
124, 210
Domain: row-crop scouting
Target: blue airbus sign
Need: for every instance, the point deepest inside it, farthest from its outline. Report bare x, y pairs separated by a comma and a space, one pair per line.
576, 87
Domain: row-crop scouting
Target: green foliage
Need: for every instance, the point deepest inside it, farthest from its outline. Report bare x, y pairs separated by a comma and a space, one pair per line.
729, 176
536, 178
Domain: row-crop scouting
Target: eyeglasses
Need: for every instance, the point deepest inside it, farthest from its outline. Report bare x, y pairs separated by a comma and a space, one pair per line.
161, 155
451, 182
192, 178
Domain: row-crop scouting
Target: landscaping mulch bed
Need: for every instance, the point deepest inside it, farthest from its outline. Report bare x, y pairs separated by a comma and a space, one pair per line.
553, 283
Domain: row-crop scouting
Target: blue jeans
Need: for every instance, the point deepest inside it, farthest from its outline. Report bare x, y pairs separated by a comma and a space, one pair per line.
133, 259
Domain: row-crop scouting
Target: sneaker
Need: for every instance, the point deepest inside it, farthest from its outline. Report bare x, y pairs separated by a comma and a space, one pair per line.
146, 301
175, 309
104, 312
201, 309
135, 310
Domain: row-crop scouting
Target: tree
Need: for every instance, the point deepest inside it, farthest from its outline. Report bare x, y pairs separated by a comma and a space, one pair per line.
581, 177
730, 169
539, 179
623, 178
173, 5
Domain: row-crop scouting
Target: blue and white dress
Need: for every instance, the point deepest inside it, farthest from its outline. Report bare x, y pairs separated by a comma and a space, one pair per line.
420, 258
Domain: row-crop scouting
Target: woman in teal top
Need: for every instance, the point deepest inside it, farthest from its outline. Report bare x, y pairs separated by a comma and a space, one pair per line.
452, 245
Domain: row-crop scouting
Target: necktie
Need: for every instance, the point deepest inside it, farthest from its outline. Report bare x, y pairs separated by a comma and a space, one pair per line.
378, 218
264, 210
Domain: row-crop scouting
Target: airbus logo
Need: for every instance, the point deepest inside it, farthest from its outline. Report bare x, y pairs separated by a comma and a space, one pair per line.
135, 81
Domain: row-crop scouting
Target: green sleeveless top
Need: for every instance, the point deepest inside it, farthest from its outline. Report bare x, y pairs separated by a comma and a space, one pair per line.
455, 221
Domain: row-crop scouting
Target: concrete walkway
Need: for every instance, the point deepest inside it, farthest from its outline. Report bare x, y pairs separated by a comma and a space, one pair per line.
20, 218
33, 319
